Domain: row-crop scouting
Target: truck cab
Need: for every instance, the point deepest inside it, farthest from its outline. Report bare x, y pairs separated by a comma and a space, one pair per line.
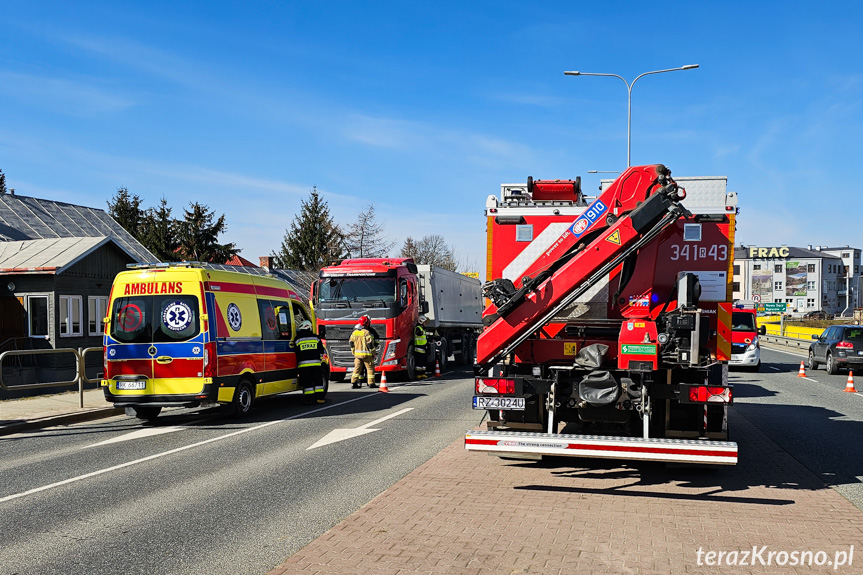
385, 289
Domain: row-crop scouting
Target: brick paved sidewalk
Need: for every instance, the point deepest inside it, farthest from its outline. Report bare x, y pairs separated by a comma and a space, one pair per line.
471, 513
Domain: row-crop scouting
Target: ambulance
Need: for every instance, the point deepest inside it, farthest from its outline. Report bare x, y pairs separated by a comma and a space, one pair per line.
191, 334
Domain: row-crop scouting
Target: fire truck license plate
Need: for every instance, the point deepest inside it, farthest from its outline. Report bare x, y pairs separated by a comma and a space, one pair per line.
131, 385
491, 402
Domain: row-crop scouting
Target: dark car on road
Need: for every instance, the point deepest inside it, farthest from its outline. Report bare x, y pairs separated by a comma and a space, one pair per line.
818, 314
838, 347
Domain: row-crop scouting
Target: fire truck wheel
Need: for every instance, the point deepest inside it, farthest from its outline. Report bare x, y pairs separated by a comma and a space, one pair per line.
411, 364
146, 412
832, 368
244, 397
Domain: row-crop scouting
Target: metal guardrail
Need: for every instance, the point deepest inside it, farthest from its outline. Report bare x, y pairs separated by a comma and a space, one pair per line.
80, 366
791, 342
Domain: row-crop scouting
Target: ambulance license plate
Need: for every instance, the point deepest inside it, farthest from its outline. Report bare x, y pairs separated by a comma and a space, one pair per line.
494, 402
131, 385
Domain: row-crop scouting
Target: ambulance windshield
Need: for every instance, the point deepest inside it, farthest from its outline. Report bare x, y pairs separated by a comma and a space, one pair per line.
155, 318
362, 290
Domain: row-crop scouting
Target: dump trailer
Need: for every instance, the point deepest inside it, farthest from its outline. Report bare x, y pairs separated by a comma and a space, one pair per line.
608, 326
394, 292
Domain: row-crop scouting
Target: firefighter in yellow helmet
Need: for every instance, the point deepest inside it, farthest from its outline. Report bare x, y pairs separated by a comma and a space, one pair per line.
363, 347
420, 348
310, 351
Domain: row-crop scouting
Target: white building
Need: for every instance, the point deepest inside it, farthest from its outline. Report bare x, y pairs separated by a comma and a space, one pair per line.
806, 279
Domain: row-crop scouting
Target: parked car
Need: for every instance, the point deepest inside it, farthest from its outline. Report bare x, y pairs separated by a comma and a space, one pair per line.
838, 347
818, 314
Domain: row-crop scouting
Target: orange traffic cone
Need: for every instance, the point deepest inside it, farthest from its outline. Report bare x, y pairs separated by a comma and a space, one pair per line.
849, 387
384, 382
802, 372
436, 368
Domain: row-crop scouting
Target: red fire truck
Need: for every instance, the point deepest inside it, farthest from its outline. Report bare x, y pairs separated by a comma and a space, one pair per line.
608, 324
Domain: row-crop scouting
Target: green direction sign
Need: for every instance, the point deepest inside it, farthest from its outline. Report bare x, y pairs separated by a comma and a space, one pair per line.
773, 307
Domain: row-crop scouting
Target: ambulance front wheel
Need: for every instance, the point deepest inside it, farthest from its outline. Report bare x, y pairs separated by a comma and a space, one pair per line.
244, 398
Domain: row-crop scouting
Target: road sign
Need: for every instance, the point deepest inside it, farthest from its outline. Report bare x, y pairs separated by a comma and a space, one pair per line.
756, 298
773, 307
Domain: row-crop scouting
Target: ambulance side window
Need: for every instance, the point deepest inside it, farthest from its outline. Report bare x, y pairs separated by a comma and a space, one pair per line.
299, 314
269, 325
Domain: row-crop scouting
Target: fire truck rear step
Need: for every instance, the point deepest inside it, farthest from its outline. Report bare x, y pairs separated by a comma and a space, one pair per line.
668, 450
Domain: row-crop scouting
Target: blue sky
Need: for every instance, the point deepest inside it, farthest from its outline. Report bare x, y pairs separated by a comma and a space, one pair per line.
425, 108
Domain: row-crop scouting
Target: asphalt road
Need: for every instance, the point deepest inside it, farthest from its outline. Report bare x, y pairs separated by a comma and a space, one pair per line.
812, 418
201, 493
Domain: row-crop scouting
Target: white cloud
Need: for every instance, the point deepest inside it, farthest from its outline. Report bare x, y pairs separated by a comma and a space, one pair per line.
67, 96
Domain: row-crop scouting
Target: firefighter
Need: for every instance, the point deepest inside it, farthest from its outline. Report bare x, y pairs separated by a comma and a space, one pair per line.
420, 348
310, 351
363, 348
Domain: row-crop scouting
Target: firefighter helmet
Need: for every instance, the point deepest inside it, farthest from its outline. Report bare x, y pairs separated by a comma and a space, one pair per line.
422, 319
305, 325
365, 321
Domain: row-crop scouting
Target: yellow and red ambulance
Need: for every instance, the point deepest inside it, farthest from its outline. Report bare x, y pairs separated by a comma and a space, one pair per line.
189, 334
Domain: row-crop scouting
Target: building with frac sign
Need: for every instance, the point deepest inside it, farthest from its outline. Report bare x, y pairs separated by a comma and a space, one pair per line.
805, 279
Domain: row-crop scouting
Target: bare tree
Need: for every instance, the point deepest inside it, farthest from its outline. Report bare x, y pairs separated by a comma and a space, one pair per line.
365, 237
430, 250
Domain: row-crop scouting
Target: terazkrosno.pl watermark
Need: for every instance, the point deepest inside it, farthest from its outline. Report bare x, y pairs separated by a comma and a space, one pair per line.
763, 555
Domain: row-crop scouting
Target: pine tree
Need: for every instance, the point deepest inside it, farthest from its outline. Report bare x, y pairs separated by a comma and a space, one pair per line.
313, 240
365, 238
159, 232
126, 211
198, 236
3, 189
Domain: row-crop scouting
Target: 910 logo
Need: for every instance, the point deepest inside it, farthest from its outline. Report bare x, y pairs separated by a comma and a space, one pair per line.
590, 215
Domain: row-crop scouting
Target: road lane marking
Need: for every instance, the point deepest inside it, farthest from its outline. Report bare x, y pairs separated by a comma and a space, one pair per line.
138, 434
337, 435
175, 450
809, 379
775, 368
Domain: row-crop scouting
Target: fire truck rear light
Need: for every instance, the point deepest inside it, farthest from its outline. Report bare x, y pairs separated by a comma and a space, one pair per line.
845, 345
492, 386
709, 394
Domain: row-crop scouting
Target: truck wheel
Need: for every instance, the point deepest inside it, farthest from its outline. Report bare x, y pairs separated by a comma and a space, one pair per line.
443, 353
832, 368
325, 375
411, 364
244, 398
812, 363
147, 413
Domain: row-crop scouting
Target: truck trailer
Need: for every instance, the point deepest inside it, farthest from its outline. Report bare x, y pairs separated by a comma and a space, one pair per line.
608, 326
394, 292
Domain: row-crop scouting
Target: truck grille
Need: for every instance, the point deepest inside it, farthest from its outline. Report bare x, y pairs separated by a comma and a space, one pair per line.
738, 348
341, 356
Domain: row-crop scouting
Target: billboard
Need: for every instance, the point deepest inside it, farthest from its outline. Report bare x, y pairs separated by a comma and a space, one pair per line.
795, 278
762, 285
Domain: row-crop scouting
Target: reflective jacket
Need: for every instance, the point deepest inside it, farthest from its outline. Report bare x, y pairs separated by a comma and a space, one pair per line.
420, 339
362, 343
310, 350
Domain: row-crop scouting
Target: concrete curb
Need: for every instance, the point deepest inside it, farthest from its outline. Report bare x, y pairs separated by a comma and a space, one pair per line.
10, 427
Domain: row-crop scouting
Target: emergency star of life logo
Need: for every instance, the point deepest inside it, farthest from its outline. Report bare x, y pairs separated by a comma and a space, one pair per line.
235, 318
177, 316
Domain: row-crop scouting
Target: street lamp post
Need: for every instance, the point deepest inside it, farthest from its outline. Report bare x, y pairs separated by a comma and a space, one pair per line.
629, 90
